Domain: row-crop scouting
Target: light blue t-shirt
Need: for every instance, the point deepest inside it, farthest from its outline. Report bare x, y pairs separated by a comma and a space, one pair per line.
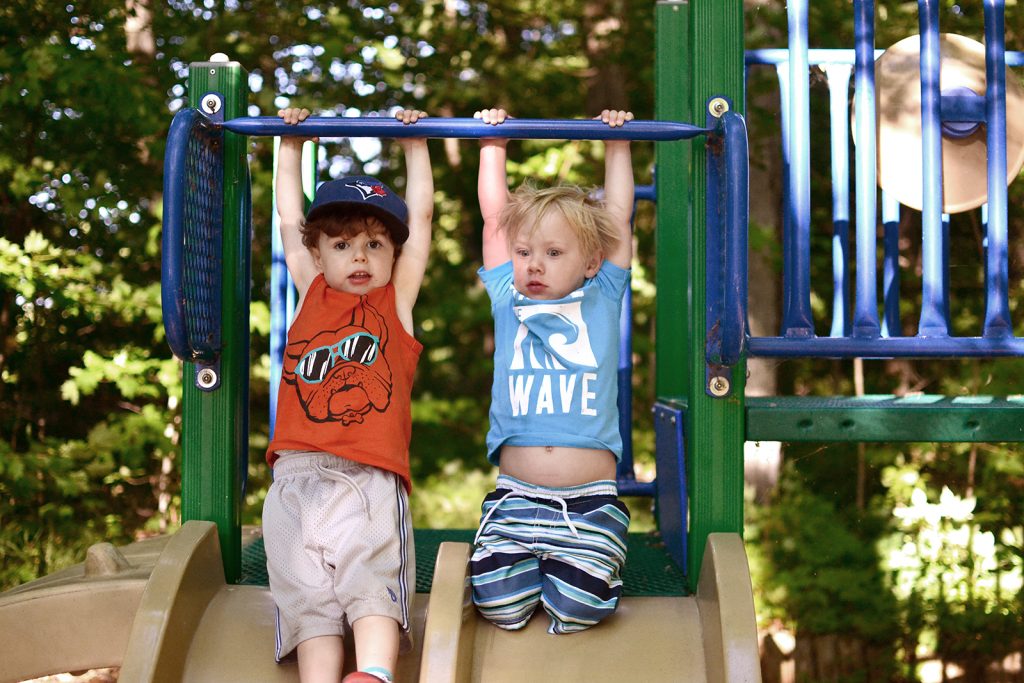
555, 364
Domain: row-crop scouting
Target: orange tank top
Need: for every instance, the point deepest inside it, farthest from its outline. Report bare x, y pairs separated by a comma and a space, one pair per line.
346, 380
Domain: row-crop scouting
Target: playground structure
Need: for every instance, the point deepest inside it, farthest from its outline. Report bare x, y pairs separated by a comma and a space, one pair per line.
189, 607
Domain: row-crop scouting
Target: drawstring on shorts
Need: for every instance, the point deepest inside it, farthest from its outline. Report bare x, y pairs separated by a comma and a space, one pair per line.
487, 516
518, 489
338, 475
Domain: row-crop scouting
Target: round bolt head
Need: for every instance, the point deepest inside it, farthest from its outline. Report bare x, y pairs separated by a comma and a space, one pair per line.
211, 103
718, 386
206, 378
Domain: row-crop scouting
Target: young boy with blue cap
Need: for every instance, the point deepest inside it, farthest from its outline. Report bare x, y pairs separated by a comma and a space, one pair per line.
336, 522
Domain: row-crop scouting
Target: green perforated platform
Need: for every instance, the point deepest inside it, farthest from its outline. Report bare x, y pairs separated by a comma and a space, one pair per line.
649, 570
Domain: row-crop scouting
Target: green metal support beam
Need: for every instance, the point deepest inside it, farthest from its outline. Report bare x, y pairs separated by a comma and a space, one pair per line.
886, 418
215, 435
674, 197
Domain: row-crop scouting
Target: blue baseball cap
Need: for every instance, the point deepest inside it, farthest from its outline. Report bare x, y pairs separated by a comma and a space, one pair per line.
366, 193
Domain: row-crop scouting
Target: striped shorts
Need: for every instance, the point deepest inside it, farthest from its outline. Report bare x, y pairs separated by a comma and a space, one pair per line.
561, 547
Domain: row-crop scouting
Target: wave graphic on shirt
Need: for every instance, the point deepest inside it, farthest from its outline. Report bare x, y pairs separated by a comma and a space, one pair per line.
552, 336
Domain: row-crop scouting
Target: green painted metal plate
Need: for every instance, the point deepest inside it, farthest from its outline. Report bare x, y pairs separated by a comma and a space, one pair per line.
886, 418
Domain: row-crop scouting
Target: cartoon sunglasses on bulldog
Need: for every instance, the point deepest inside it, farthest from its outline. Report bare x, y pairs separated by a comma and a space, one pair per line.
342, 375
361, 347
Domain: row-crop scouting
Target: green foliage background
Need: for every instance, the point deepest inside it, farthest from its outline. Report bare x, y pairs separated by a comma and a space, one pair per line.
89, 414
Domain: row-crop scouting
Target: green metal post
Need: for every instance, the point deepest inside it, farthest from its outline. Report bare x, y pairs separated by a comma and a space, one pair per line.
674, 197
699, 53
215, 423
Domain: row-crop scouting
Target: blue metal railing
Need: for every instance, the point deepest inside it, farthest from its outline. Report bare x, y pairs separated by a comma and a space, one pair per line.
865, 316
858, 332
727, 249
625, 474
191, 242
934, 320
796, 310
997, 307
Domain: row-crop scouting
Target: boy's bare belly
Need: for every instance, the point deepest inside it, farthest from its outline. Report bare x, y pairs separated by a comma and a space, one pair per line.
556, 465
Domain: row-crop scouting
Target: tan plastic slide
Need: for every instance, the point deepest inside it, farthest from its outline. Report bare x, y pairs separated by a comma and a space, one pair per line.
160, 610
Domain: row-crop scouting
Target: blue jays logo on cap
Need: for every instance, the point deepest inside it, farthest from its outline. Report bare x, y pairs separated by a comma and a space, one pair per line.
368, 194
367, 190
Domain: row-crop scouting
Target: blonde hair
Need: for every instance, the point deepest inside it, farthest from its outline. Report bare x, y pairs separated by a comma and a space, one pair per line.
587, 217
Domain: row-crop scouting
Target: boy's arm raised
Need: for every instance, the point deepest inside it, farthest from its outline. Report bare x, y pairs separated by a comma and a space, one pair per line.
291, 205
419, 199
618, 188
492, 190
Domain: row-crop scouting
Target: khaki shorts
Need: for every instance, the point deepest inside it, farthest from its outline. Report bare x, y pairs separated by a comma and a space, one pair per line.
338, 536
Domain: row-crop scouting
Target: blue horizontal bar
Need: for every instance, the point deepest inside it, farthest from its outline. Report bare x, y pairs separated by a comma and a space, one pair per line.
825, 56
886, 347
644, 193
443, 127
815, 56
627, 487
963, 108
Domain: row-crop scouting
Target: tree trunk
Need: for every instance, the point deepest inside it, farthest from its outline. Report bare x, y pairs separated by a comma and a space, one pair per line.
138, 28
606, 79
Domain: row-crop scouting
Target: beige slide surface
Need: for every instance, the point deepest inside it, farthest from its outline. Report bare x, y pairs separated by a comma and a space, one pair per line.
710, 637
160, 610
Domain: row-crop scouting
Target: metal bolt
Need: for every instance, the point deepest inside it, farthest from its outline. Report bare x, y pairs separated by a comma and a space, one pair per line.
211, 104
718, 106
718, 386
206, 378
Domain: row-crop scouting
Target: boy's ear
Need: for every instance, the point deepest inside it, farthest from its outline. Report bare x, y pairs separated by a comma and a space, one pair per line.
594, 263
315, 253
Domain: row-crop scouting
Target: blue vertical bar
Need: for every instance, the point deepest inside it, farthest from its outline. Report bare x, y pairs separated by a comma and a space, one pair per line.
624, 472
891, 267
782, 72
865, 314
934, 322
839, 89
945, 266
727, 213
736, 212
282, 289
997, 306
796, 316
282, 309
278, 299
984, 241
